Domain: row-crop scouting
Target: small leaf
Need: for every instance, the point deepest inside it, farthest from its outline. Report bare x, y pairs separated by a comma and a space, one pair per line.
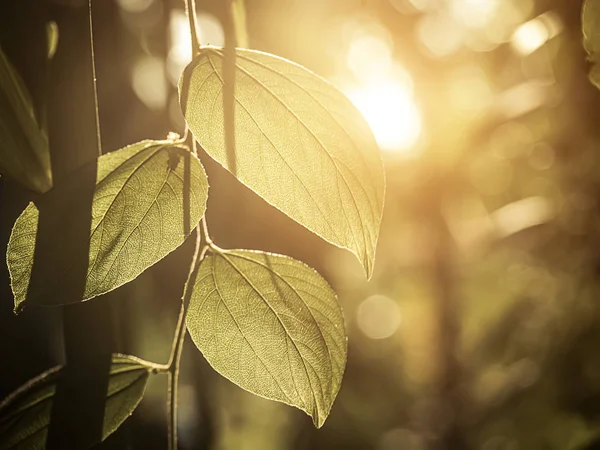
300, 144
24, 151
271, 325
25, 414
137, 219
591, 36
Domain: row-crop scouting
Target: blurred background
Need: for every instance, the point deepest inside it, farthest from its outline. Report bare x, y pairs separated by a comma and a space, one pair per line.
480, 328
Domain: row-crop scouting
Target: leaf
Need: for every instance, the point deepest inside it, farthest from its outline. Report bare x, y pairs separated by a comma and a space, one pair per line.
271, 325
300, 144
24, 151
591, 36
137, 219
25, 414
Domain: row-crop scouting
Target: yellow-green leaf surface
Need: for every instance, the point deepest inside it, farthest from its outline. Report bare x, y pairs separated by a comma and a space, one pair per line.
24, 151
137, 219
271, 325
25, 414
591, 36
300, 144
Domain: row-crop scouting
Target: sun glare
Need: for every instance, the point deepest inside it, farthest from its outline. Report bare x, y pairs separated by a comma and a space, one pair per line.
382, 91
211, 33
390, 110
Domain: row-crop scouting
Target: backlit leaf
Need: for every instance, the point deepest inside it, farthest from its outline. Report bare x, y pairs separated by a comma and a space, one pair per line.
300, 144
137, 219
25, 414
271, 325
24, 151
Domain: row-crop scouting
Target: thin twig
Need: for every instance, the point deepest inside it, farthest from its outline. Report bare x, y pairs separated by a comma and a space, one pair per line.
198, 256
175, 357
98, 137
190, 9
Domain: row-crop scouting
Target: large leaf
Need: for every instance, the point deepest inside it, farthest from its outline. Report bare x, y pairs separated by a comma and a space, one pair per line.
137, 219
24, 151
591, 36
271, 325
300, 144
25, 415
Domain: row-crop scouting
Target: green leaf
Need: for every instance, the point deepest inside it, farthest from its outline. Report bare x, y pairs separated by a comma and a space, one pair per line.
271, 325
25, 414
591, 36
24, 151
137, 219
300, 144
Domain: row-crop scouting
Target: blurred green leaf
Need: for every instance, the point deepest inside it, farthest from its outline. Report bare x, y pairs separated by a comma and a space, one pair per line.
137, 219
25, 414
300, 144
24, 151
271, 325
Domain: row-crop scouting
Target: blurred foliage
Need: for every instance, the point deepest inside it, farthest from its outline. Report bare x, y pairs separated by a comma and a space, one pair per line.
480, 326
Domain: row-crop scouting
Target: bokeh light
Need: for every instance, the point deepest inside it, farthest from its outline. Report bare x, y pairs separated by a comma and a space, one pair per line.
180, 53
533, 34
474, 13
382, 90
378, 317
440, 34
149, 83
391, 111
135, 6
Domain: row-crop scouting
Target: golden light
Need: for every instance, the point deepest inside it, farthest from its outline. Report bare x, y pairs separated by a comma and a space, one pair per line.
180, 52
383, 92
378, 317
474, 13
135, 6
523, 98
529, 37
440, 34
389, 108
533, 34
149, 83
369, 57
471, 91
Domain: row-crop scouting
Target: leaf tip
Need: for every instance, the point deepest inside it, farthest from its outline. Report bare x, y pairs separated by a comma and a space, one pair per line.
19, 306
319, 420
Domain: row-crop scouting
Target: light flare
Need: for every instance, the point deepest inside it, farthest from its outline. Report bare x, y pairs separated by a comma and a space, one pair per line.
390, 110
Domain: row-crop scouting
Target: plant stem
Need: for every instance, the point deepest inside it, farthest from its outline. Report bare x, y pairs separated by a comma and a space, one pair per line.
175, 357
190, 9
200, 251
200, 230
97, 116
238, 20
